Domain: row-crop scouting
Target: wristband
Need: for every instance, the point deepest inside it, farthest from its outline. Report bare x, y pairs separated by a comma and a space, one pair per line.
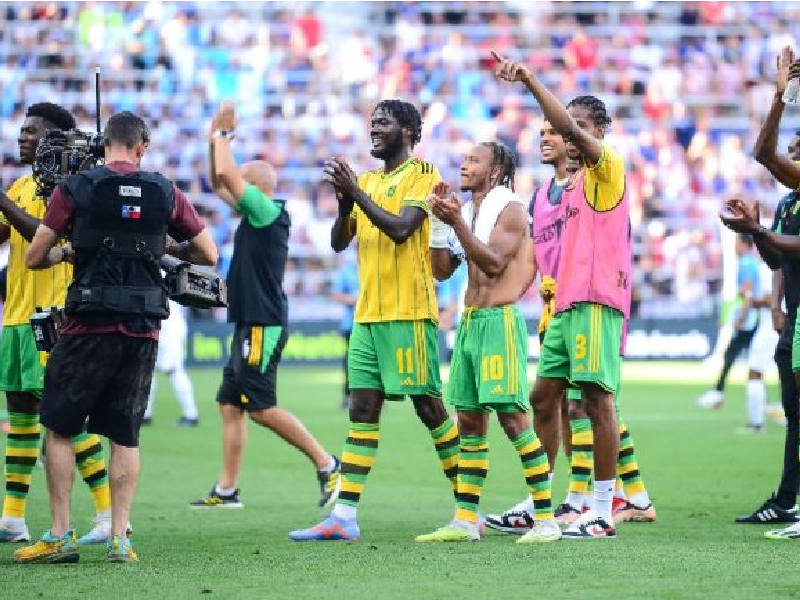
223, 133
439, 233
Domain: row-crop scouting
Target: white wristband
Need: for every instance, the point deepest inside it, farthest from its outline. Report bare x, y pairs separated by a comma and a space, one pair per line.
439, 233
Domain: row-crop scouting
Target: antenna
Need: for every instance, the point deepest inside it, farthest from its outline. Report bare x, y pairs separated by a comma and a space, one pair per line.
97, 97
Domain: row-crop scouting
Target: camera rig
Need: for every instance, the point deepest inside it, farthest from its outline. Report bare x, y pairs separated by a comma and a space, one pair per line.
64, 153
190, 285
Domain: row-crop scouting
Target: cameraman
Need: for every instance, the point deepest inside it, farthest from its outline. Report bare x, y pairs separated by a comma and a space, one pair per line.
257, 305
21, 365
117, 218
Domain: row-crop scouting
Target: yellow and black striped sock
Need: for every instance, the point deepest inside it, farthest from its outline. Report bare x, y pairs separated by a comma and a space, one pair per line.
22, 449
91, 463
628, 469
358, 457
447, 444
473, 466
536, 470
581, 459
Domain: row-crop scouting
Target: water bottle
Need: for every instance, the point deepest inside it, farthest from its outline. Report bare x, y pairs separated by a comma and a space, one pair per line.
792, 91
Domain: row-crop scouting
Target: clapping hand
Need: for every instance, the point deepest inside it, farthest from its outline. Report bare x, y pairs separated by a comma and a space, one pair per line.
344, 181
444, 203
225, 119
785, 60
740, 217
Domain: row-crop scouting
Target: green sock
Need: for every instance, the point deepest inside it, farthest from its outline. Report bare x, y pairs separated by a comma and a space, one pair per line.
22, 450
473, 466
447, 444
360, 450
536, 470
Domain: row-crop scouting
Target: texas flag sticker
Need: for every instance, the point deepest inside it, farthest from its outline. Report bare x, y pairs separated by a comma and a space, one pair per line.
131, 212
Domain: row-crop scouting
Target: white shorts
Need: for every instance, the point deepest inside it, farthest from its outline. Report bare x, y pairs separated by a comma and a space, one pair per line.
762, 348
172, 341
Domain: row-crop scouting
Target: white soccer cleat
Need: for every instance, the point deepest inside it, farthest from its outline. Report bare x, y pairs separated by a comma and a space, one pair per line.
710, 399
542, 532
517, 519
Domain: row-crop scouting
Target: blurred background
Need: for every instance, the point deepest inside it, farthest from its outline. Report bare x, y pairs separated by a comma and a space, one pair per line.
687, 84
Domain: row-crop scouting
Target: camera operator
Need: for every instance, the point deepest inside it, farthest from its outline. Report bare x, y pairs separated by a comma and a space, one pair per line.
21, 365
117, 218
258, 307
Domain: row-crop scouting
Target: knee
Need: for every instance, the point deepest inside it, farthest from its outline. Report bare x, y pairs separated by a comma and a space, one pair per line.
364, 411
545, 408
430, 411
513, 424
471, 423
576, 412
230, 414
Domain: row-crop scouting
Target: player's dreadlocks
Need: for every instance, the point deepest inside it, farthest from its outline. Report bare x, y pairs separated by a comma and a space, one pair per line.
53, 114
505, 158
407, 115
596, 108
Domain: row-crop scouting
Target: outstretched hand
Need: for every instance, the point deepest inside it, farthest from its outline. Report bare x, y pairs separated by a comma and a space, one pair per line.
225, 119
509, 70
785, 60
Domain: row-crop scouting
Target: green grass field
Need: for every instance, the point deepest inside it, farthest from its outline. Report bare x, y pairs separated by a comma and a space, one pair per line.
699, 472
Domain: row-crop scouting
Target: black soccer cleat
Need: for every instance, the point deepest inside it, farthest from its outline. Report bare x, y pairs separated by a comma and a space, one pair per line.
215, 500
770, 512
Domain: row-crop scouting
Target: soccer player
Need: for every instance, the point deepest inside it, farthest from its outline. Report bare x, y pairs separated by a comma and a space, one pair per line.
583, 341
257, 305
547, 224
780, 507
171, 359
745, 317
489, 365
21, 365
394, 347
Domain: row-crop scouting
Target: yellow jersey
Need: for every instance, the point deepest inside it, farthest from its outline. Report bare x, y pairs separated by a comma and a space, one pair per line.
28, 289
395, 280
604, 185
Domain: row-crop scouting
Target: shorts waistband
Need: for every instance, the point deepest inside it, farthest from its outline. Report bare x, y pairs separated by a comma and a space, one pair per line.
491, 312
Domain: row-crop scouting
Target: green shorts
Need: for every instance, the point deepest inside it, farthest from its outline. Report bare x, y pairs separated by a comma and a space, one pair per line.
582, 345
21, 364
489, 365
399, 358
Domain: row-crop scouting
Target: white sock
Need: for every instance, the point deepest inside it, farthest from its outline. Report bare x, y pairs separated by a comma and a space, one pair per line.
104, 515
576, 500
603, 497
756, 401
151, 401
183, 390
466, 525
640, 500
224, 491
619, 492
329, 467
344, 511
13, 523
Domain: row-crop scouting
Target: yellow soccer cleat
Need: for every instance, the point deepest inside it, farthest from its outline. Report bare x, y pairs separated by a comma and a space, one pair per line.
49, 549
541, 533
449, 533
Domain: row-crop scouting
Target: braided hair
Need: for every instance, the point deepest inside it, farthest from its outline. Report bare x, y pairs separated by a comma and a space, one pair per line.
53, 114
503, 157
596, 108
407, 116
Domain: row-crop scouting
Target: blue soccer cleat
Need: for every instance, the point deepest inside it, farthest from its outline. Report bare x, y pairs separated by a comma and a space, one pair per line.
331, 529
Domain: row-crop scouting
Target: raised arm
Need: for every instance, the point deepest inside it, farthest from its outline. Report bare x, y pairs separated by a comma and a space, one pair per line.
554, 111
765, 151
226, 181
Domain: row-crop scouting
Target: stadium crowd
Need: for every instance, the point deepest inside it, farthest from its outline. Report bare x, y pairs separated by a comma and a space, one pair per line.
687, 97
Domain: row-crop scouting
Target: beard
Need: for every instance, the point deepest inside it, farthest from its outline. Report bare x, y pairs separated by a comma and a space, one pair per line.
391, 147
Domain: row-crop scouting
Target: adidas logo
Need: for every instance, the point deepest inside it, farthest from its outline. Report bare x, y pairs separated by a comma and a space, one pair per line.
407, 381
498, 389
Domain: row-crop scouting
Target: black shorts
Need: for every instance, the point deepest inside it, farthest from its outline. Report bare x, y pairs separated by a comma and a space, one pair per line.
250, 379
104, 377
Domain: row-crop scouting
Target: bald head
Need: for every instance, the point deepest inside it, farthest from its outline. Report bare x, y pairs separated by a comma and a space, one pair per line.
261, 174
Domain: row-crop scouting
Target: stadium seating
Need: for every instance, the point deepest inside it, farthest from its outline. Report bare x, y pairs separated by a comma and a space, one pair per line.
687, 99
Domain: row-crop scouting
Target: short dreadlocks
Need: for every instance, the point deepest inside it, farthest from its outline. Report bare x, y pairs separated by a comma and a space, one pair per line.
503, 157
407, 115
53, 114
596, 108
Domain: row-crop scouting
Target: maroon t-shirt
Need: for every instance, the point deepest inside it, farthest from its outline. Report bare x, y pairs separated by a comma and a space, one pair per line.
184, 224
